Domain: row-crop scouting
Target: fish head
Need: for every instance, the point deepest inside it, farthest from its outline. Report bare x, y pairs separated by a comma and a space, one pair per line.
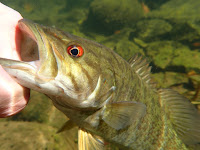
65, 67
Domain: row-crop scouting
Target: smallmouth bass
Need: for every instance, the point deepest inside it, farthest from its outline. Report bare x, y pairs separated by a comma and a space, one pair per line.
110, 99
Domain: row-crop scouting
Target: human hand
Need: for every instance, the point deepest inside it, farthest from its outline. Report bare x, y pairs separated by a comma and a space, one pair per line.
13, 97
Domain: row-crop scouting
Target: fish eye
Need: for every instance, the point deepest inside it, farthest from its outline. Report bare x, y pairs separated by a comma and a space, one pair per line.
75, 50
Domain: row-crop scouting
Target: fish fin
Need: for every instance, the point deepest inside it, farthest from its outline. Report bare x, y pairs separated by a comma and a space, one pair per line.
141, 66
182, 114
93, 120
87, 141
66, 126
121, 114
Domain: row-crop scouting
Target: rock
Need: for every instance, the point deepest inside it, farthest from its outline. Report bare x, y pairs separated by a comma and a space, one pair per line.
38, 11
173, 56
127, 49
170, 79
120, 43
152, 29
180, 11
32, 136
114, 15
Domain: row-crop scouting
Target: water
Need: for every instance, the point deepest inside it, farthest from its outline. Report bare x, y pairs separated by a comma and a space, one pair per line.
166, 31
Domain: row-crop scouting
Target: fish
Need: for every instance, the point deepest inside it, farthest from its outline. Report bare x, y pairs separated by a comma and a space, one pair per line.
111, 100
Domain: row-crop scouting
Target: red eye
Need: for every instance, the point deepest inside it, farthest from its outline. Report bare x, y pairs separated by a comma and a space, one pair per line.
75, 50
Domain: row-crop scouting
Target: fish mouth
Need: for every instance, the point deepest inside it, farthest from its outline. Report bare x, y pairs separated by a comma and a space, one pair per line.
28, 50
36, 49
37, 57
29, 43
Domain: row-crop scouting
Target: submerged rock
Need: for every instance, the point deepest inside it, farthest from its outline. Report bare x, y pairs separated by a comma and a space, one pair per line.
150, 29
173, 56
32, 136
180, 11
170, 79
127, 49
113, 15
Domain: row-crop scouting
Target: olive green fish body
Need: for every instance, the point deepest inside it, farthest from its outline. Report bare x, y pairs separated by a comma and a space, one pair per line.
154, 131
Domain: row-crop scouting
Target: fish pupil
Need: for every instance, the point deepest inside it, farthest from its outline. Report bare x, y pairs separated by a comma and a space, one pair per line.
74, 51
